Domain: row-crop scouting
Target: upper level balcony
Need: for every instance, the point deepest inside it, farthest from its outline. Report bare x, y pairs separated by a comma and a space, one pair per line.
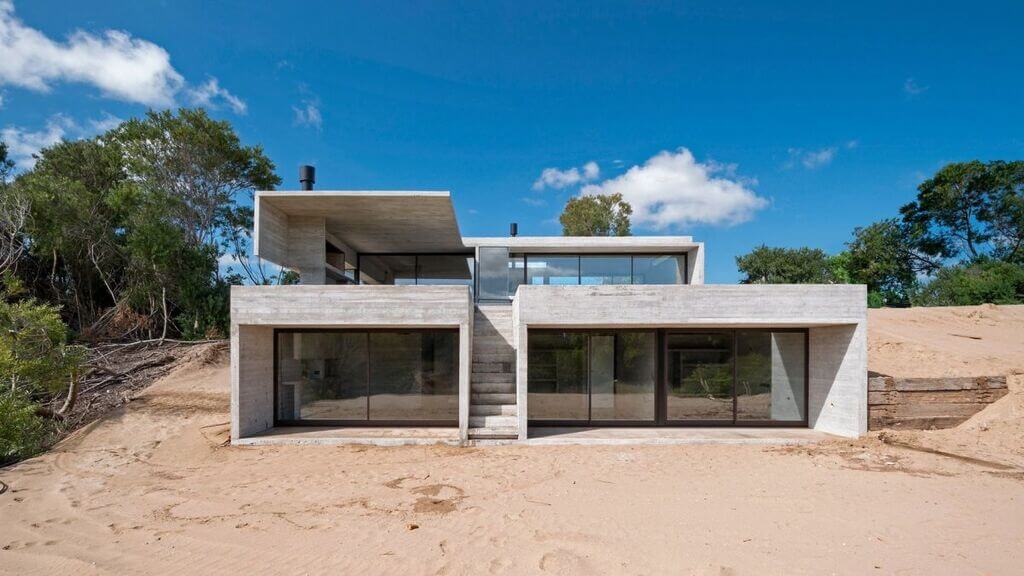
413, 238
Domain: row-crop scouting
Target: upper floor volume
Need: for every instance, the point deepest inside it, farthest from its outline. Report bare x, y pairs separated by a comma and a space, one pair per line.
413, 238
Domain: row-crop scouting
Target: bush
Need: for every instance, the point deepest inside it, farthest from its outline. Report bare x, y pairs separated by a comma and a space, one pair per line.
989, 281
22, 433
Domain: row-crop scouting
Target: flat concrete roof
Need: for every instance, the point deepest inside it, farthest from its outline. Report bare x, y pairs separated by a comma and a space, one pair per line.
584, 244
378, 221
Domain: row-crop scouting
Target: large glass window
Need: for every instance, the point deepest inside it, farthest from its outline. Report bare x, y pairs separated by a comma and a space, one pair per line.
552, 270
444, 269
592, 376
605, 270
424, 269
771, 370
355, 376
700, 377
557, 376
659, 269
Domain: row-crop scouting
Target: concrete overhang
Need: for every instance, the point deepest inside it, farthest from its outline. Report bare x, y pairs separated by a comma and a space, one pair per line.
368, 221
589, 244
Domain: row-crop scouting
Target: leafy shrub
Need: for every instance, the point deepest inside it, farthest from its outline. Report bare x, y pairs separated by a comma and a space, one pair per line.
22, 433
987, 281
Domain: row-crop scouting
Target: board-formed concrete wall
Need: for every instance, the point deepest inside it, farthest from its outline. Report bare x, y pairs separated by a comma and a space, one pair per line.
835, 315
257, 310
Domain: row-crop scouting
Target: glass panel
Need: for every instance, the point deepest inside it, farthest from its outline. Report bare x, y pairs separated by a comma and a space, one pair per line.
414, 376
700, 377
557, 378
321, 376
602, 376
554, 270
659, 269
636, 370
494, 273
387, 269
770, 375
444, 269
516, 273
623, 369
604, 269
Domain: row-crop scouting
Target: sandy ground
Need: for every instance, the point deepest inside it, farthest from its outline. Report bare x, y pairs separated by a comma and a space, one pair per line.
155, 489
982, 340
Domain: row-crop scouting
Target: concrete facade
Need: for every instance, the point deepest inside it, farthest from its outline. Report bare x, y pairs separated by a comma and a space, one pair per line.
257, 310
319, 234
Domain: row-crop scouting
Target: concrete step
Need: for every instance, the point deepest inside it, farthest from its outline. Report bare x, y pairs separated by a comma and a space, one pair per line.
479, 399
493, 388
493, 421
488, 377
492, 348
492, 410
479, 367
505, 357
493, 433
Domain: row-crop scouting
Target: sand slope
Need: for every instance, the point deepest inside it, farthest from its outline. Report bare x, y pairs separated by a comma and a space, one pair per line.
985, 340
155, 490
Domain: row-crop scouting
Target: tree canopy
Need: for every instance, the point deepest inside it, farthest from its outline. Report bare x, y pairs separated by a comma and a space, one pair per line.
600, 215
769, 265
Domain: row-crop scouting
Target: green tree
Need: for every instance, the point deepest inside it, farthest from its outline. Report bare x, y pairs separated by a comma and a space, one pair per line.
981, 282
600, 215
885, 257
769, 265
969, 210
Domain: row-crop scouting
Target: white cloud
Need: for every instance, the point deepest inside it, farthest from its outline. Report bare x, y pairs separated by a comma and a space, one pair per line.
911, 88
309, 114
211, 95
22, 144
555, 178
672, 190
811, 159
121, 66
535, 202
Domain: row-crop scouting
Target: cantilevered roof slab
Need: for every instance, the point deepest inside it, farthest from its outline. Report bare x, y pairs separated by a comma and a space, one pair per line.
368, 221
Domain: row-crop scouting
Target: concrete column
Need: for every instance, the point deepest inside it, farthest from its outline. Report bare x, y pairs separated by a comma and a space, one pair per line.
837, 401
252, 380
307, 248
465, 370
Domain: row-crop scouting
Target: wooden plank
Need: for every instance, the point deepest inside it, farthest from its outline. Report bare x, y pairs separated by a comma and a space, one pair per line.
936, 396
881, 383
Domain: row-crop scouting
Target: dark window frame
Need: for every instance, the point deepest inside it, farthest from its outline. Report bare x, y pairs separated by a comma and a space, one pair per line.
367, 423
415, 265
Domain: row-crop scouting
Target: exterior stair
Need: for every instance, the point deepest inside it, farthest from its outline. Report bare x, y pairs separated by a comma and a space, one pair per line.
493, 413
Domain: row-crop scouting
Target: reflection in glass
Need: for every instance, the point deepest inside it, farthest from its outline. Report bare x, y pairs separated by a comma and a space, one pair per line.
321, 376
622, 375
604, 270
770, 375
516, 273
552, 270
700, 377
659, 269
414, 376
493, 273
557, 376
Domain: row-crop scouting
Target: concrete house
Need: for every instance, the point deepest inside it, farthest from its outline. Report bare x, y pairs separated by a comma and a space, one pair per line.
402, 330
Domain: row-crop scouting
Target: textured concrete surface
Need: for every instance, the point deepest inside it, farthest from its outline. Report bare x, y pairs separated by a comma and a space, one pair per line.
327, 436
667, 436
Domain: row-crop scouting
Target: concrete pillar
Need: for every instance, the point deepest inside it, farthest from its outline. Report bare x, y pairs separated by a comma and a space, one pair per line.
252, 380
307, 248
837, 400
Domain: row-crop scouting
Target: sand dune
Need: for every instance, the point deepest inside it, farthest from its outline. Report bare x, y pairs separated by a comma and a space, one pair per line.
154, 489
982, 340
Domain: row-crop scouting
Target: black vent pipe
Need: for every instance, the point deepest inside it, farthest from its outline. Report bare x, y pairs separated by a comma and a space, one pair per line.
307, 177
513, 229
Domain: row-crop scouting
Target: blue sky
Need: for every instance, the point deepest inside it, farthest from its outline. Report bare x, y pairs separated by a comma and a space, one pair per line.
737, 123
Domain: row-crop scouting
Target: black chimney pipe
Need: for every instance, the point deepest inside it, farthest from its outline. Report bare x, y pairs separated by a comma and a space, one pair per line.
513, 229
307, 176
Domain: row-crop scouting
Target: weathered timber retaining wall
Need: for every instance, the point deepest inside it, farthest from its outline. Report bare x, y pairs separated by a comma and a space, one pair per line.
926, 403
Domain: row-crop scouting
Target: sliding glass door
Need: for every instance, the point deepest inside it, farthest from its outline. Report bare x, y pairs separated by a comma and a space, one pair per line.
367, 377
749, 377
589, 377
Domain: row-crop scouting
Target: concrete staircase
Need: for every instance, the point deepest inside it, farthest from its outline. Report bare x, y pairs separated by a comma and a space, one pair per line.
492, 405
